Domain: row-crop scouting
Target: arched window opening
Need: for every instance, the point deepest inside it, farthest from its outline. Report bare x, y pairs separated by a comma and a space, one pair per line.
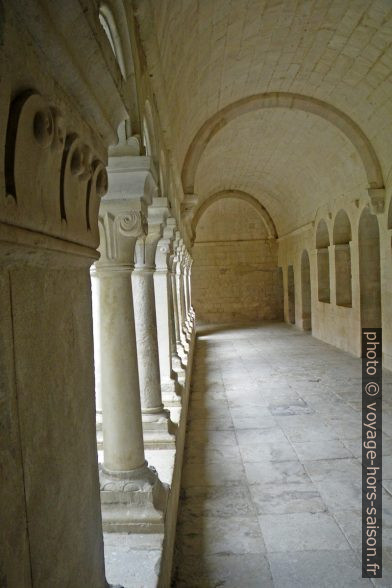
322, 245
291, 294
306, 292
342, 239
369, 270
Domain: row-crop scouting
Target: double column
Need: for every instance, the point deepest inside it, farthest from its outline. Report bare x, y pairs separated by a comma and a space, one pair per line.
158, 428
183, 312
169, 362
131, 493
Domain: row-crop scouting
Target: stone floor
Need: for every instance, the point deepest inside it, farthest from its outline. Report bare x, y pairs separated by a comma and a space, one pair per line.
271, 488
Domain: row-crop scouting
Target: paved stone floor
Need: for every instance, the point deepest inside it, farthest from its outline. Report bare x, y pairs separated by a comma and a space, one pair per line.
271, 488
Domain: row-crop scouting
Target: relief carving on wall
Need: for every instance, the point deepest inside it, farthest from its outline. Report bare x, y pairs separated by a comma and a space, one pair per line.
53, 178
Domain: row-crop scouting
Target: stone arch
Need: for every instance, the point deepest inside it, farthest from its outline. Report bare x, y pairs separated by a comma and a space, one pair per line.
369, 270
322, 246
306, 298
109, 25
113, 18
289, 101
262, 212
341, 240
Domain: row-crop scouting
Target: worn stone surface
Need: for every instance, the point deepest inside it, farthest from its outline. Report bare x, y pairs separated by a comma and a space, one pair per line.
234, 275
273, 497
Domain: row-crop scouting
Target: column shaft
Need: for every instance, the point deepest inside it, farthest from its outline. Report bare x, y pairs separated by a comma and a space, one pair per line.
146, 338
122, 425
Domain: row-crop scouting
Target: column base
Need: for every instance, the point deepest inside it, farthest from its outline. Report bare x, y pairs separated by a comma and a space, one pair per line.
179, 368
99, 439
134, 503
171, 392
159, 432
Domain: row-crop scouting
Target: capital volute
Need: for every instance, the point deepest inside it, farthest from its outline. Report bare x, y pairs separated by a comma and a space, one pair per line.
162, 254
119, 231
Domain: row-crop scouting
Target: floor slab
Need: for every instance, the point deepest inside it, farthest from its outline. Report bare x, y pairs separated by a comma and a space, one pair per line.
271, 483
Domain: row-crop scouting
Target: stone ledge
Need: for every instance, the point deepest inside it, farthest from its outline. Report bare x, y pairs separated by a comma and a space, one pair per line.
144, 556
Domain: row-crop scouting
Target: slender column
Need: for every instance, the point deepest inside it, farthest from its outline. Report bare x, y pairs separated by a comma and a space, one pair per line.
192, 312
97, 355
177, 353
188, 318
181, 296
181, 342
171, 389
130, 491
158, 428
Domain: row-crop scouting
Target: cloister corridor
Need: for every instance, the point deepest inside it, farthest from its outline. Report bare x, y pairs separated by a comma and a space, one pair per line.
271, 482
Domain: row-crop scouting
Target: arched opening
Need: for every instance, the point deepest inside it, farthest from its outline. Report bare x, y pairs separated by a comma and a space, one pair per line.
280, 293
235, 261
322, 245
342, 239
306, 292
369, 270
291, 294
288, 101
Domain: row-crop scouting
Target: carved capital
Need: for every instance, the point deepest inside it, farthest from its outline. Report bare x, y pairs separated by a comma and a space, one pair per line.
119, 230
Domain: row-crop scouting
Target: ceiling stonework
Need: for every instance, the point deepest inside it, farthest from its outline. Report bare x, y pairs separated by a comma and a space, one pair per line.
216, 52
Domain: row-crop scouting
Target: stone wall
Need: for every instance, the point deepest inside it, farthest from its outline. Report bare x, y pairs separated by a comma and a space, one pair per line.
340, 323
235, 274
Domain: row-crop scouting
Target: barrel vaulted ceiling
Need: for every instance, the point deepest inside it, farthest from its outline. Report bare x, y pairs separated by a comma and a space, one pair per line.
216, 52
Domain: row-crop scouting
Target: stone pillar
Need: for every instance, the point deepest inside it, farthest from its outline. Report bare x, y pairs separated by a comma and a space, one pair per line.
188, 310
182, 298
171, 389
181, 342
157, 426
192, 311
177, 353
54, 137
132, 496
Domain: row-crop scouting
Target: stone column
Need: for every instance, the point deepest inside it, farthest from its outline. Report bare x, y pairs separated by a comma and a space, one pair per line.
55, 135
192, 311
97, 355
181, 295
181, 342
188, 315
171, 389
157, 426
177, 353
131, 493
